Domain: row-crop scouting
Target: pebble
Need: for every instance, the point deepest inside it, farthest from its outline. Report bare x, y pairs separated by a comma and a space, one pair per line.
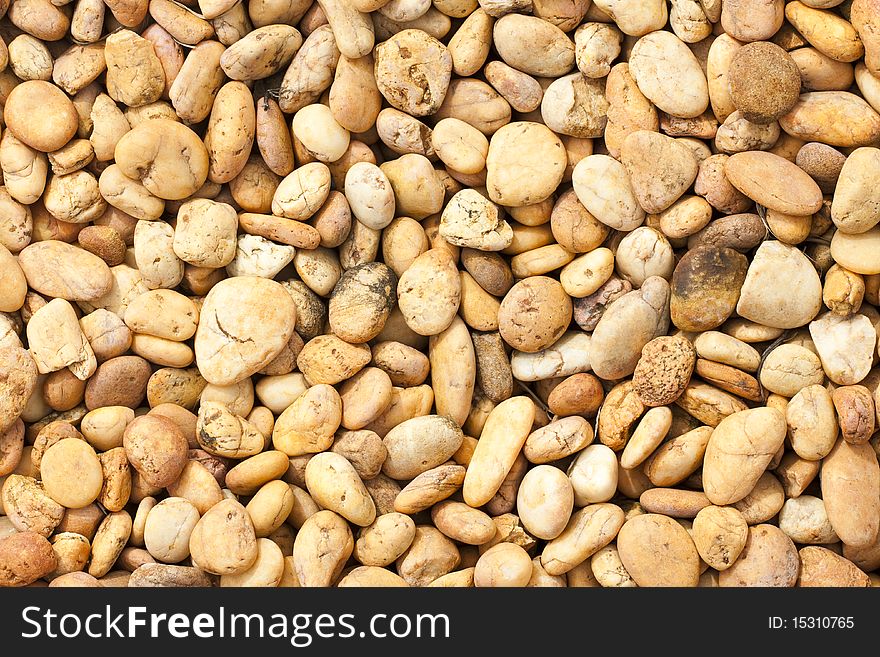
781, 288
846, 346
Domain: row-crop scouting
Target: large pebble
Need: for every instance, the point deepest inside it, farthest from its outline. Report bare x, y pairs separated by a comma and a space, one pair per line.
157, 448
26, 557
850, 479
812, 422
261, 53
453, 369
769, 559
635, 17
677, 458
244, 323
720, 534
168, 528
525, 164
501, 440
18, 378
764, 81
575, 105
28, 507
594, 475
544, 501
472, 220
588, 531
669, 74
706, 287
334, 484
845, 345
569, 355
120, 381
836, 118
308, 424
822, 567
534, 314
369, 193
63, 271
782, 288
302, 192
663, 370
429, 292
627, 326
71, 473
557, 50
361, 302
657, 551
723, 348
413, 70
855, 207
774, 182
223, 541
739, 451
859, 253
13, 284
660, 168
167, 157
56, 341
789, 368
603, 186
752, 20
805, 520
40, 114
328, 359
420, 444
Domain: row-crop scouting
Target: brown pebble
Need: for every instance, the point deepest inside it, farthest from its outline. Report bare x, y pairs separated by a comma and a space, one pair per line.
674, 502
730, 379
765, 83
104, 242
822, 162
664, 370
156, 448
740, 232
120, 381
62, 390
769, 559
11, 447
706, 286
855, 412
166, 575
579, 394
82, 521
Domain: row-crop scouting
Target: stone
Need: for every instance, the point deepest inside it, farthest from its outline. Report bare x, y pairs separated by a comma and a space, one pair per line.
782, 289
706, 287
472, 220
845, 345
245, 322
774, 182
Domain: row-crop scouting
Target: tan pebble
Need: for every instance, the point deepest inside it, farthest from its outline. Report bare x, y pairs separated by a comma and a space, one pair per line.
720, 534
822, 567
223, 540
739, 450
657, 551
71, 473
26, 557
769, 558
